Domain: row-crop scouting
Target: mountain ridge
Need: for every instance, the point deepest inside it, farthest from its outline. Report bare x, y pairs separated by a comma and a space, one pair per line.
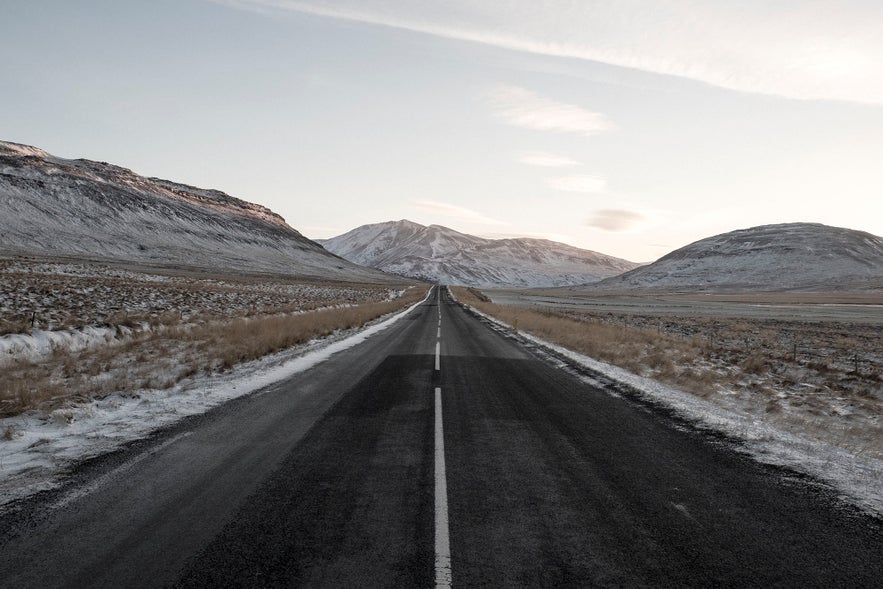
778, 257
54, 206
439, 254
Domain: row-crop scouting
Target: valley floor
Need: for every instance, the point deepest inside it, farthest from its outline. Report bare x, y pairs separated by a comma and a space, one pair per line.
93, 355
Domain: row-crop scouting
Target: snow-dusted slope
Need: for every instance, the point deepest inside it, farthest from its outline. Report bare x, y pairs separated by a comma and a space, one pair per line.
55, 206
439, 254
806, 256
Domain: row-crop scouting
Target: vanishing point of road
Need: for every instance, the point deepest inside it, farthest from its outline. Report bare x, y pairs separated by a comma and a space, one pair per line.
439, 452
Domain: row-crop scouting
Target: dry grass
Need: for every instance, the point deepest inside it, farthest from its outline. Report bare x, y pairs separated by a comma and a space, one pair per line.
249, 338
641, 350
821, 378
872, 296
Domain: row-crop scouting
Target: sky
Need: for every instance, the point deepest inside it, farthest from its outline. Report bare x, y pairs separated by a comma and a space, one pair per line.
630, 128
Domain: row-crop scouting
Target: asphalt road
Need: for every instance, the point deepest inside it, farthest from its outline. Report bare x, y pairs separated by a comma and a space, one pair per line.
438, 450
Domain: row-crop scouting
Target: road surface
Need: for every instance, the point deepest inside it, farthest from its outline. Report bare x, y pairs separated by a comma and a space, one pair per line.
439, 451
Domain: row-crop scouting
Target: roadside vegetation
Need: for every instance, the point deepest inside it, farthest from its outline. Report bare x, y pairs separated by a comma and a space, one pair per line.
823, 379
72, 333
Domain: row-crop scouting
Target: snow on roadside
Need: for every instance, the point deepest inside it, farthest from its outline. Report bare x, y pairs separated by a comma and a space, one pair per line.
41, 343
859, 479
37, 448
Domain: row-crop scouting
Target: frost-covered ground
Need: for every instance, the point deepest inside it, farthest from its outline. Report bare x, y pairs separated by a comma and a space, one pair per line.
809, 363
37, 447
827, 372
846, 467
53, 296
71, 331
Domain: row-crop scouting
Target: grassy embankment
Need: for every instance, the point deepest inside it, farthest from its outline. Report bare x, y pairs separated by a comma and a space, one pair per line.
642, 351
171, 350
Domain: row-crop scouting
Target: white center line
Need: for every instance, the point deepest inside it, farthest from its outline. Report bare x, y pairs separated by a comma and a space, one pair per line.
442, 534
438, 355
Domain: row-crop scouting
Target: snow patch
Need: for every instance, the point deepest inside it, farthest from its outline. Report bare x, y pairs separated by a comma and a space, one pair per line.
42, 343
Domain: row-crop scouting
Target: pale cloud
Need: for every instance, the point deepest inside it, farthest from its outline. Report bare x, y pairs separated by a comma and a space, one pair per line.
455, 212
581, 183
547, 160
523, 108
559, 237
824, 49
614, 219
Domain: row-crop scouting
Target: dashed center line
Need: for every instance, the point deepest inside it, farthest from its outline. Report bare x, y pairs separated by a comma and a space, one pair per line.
443, 576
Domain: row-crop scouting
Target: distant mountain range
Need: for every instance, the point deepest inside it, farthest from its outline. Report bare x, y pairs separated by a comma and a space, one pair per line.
439, 254
792, 256
93, 210
81, 208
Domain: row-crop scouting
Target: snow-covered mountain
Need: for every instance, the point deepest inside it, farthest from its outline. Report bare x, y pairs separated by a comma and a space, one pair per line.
81, 208
439, 254
792, 256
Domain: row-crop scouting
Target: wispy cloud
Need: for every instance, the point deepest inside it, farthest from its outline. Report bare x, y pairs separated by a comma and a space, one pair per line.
581, 183
614, 219
523, 108
455, 212
818, 50
547, 160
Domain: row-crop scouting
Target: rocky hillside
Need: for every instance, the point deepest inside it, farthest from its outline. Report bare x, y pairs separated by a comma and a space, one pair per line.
86, 209
793, 256
439, 254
